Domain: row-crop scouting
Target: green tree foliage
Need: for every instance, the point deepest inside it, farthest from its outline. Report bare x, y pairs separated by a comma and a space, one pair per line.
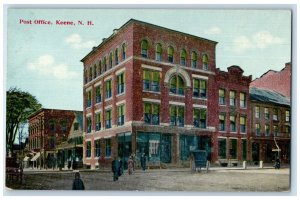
19, 106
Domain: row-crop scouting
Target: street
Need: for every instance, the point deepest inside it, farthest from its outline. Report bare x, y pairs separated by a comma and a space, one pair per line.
215, 180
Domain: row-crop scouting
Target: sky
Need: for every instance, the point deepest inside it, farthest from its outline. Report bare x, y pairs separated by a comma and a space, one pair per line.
45, 59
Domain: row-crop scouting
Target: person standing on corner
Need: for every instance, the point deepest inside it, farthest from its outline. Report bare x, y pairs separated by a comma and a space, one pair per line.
143, 161
78, 183
130, 165
115, 165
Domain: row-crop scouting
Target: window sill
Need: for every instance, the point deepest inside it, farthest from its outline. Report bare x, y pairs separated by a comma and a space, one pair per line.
150, 91
233, 132
224, 105
244, 108
177, 95
99, 103
200, 98
120, 94
110, 98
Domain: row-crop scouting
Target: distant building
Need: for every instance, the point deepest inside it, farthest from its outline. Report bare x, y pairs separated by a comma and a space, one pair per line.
47, 129
278, 81
270, 125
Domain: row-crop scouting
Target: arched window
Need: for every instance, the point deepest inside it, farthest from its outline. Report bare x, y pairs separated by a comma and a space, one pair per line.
124, 51
205, 61
194, 59
177, 85
91, 73
85, 76
105, 64
183, 57
100, 68
110, 60
171, 54
116, 56
144, 49
158, 52
95, 71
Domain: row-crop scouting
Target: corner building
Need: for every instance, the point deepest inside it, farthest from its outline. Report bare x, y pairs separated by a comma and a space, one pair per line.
148, 89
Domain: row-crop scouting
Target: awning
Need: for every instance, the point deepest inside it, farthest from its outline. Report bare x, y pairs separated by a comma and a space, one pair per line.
36, 156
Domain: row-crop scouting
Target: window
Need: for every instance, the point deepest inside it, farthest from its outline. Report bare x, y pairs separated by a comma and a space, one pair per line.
243, 100
98, 94
158, 52
99, 68
63, 126
121, 116
232, 123
85, 76
116, 56
183, 57
200, 118
151, 80
267, 130
95, 71
151, 113
200, 88
221, 96
233, 148
124, 51
88, 124
52, 142
257, 129
91, 73
88, 149
205, 61
242, 124
287, 116
108, 90
121, 83
76, 126
105, 64
257, 112
275, 129
232, 98
194, 60
107, 147
171, 54
222, 122
108, 121
144, 48
287, 129
89, 98
177, 116
98, 121
97, 148
52, 125
110, 60
267, 114
275, 114
177, 85
222, 148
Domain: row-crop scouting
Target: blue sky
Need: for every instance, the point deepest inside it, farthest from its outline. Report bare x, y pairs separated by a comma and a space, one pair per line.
45, 59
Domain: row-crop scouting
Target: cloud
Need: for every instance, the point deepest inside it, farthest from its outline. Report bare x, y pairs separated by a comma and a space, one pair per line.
76, 42
213, 31
259, 40
45, 65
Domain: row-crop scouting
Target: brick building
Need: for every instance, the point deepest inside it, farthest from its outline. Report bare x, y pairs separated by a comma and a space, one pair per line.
233, 129
47, 129
278, 81
270, 125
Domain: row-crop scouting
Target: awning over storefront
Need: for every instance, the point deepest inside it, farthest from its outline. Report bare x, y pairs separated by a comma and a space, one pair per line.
36, 156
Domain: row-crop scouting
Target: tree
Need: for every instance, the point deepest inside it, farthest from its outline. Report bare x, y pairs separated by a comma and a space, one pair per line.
19, 106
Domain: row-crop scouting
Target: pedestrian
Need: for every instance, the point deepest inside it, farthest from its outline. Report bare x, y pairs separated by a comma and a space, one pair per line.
143, 161
130, 165
120, 166
115, 165
192, 162
78, 183
134, 161
69, 163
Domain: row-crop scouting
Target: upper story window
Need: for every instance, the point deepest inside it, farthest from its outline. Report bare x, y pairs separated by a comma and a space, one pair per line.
121, 115
108, 90
89, 99
205, 61
99, 68
221, 96
275, 114
177, 116
76, 126
98, 121
105, 63
267, 130
242, 124
98, 94
121, 83
108, 121
257, 129
124, 51
107, 147
200, 88
194, 59
222, 122
287, 129
151, 80
170, 54
183, 57
63, 126
275, 130
267, 114
88, 149
52, 124
232, 96
85, 76
91, 74
144, 48
88, 124
232, 123
257, 112
177, 85
287, 116
151, 113
243, 100
200, 118
158, 52
110, 60
97, 149
116, 56
95, 71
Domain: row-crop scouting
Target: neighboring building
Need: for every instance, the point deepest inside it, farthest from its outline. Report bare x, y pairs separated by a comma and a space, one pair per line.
47, 129
234, 115
278, 81
271, 125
